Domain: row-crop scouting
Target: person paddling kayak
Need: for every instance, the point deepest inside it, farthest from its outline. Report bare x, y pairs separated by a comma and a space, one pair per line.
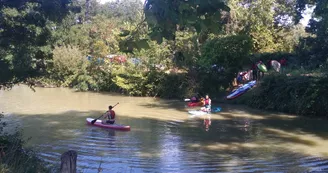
208, 103
109, 116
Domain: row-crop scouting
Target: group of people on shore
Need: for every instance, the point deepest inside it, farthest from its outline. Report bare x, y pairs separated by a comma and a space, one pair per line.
254, 73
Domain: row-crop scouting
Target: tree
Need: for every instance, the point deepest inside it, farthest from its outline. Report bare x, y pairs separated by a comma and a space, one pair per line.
268, 22
300, 7
165, 17
124, 10
314, 50
319, 27
25, 34
227, 55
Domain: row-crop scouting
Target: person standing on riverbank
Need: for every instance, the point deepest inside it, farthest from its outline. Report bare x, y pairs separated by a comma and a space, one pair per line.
260, 73
254, 71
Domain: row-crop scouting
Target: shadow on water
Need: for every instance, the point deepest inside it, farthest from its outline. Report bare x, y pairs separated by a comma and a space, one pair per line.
287, 123
232, 144
166, 104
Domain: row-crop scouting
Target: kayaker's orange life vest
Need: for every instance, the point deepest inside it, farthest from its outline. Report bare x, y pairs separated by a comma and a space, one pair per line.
112, 115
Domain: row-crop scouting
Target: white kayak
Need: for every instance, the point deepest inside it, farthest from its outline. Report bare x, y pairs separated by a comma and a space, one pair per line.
197, 113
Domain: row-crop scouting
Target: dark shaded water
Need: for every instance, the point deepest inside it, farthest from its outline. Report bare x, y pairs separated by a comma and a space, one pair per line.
163, 137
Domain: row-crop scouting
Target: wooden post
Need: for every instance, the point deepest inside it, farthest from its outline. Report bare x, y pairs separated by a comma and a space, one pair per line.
68, 162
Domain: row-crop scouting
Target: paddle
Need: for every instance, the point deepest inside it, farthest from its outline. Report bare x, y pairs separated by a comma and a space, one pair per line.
93, 121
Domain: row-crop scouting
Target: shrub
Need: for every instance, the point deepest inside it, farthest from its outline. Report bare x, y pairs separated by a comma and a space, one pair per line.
15, 158
301, 95
72, 69
228, 54
174, 86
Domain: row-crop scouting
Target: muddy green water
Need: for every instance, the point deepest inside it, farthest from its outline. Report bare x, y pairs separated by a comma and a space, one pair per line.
163, 137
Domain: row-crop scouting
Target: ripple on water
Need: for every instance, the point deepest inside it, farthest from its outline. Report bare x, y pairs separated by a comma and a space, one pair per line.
125, 153
127, 159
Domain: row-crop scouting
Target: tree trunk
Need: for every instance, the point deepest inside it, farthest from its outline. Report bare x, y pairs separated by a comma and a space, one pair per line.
68, 162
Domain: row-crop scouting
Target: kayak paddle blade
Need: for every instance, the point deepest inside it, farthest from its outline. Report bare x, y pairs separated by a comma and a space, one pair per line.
93, 121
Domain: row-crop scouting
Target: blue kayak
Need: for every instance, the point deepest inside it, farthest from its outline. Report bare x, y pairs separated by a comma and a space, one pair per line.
241, 90
217, 109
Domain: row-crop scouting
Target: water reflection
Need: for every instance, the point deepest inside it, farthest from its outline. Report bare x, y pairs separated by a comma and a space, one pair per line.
207, 122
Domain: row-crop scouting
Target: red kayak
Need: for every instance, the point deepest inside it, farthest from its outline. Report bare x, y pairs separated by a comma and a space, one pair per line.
190, 104
110, 126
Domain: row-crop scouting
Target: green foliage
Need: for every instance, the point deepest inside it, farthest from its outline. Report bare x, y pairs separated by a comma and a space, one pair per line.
174, 86
22, 43
67, 61
16, 158
299, 95
163, 16
187, 49
67, 33
131, 81
261, 25
24, 37
191, 35
149, 83
70, 67
300, 7
155, 55
227, 52
124, 10
266, 22
315, 49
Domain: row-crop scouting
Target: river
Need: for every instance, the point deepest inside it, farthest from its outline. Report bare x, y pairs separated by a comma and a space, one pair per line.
163, 137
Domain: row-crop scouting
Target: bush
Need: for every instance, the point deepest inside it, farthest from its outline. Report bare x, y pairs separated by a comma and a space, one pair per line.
131, 81
67, 62
174, 86
301, 95
228, 54
71, 68
15, 158
136, 82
